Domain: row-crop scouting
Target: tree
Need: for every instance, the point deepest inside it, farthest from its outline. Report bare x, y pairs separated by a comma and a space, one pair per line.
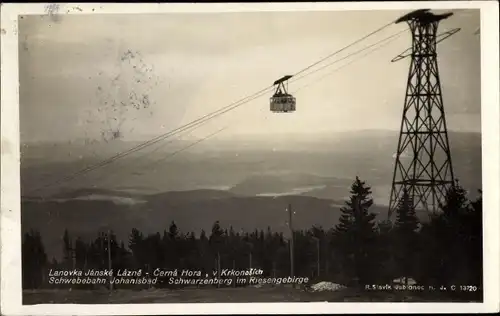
217, 235
447, 238
115, 251
136, 245
204, 250
193, 256
81, 253
154, 251
173, 246
67, 250
318, 254
356, 232
474, 241
453, 232
233, 245
34, 260
406, 219
216, 241
173, 231
405, 236
455, 204
386, 269
272, 251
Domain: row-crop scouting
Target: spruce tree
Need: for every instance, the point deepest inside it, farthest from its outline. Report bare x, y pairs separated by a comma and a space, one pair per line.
204, 250
405, 236
192, 254
137, 246
217, 237
173, 231
445, 235
462, 223
355, 215
216, 243
173, 247
474, 240
67, 250
34, 260
406, 218
80, 253
456, 203
356, 232
386, 263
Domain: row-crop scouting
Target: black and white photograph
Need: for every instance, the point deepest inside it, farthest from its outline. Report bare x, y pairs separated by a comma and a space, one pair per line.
249, 156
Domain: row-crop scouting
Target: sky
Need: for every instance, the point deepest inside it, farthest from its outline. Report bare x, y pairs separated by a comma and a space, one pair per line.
73, 69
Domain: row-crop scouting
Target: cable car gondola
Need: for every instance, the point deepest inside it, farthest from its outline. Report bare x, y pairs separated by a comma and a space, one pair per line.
282, 101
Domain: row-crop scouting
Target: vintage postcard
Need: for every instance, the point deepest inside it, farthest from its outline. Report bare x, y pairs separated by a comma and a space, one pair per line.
223, 158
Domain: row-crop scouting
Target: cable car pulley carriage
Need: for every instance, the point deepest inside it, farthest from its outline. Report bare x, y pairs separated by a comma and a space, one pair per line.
282, 101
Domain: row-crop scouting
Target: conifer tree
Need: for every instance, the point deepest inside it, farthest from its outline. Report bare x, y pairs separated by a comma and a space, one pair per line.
355, 215
67, 250
173, 246
232, 244
444, 238
204, 250
456, 203
137, 246
173, 231
406, 218
474, 240
216, 241
405, 236
386, 269
80, 253
192, 254
123, 260
356, 232
34, 260
217, 235
462, 245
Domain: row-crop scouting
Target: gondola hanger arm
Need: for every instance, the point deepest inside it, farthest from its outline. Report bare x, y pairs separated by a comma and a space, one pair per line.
441, 37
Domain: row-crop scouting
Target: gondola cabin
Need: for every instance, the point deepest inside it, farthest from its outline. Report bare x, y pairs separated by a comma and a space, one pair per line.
282, 101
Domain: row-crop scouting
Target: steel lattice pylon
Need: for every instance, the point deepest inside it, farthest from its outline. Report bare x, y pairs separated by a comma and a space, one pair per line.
423, 159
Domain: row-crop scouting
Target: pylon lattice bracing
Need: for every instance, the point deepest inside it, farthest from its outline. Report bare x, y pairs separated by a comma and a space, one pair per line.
423, 163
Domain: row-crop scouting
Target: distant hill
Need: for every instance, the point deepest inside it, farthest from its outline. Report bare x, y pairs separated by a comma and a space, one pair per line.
349, 141
291, 183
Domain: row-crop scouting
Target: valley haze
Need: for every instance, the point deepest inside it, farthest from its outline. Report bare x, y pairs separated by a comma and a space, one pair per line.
245, 183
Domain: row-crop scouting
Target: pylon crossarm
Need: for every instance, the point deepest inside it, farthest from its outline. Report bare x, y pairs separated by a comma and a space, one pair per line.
403, 55
441, 37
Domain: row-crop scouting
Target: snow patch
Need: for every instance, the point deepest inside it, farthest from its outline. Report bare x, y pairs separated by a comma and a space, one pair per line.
402, 280
326, 286
294, 191
118, 200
